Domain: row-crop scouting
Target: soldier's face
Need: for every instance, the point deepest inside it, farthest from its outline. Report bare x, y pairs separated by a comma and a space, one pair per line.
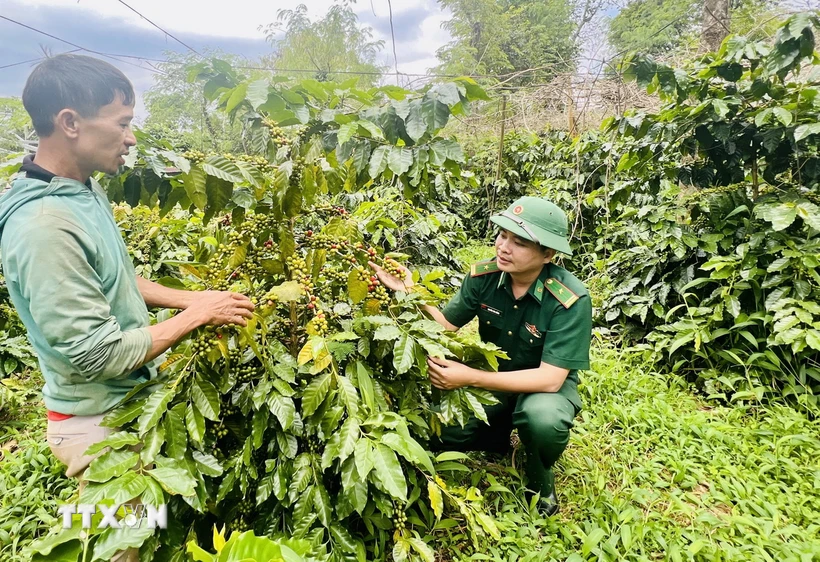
517, 255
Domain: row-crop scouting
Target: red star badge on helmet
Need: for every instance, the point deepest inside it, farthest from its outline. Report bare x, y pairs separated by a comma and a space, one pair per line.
518, 209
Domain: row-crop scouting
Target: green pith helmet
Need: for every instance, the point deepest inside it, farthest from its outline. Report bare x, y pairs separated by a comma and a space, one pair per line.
536, 219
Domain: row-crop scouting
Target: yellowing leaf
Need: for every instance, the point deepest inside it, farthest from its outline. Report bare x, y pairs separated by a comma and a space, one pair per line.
306, 354
488, 524
288, 291
436, 500
356, 288
219, 539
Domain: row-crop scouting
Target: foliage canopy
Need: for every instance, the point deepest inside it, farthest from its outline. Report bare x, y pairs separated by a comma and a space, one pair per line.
533, 38
335, 45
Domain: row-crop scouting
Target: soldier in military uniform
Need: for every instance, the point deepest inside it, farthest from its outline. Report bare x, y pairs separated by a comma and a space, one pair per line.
541, 316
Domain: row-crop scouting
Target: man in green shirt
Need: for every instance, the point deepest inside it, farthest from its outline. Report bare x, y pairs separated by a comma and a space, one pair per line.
541, 316
67, 268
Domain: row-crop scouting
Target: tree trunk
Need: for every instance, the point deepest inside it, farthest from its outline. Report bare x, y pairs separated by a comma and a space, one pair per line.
715, 24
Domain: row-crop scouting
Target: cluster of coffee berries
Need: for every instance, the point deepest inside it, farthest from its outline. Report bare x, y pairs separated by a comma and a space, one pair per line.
335, 275
276, 132
267, 300
362, 274
299, 272
296, 175
380, 294
203, 344
253, 259
240, 525
303, 134
228, 409
195, 156
394, 268
246, 373
372, 283
258, 161
220, 432
297, 265
215, 277
245, 507
399, 517
319, 323
256, 223
319, 240
313, 444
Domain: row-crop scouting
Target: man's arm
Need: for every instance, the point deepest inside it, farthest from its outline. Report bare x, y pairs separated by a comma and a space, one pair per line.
449, 375
73, 314
210, 307
438, 316
156, 295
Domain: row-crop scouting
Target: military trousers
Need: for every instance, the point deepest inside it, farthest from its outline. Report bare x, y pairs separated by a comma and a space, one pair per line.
543, 421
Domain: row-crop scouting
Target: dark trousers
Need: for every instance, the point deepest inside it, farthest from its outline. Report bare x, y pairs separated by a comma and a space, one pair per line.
543, 422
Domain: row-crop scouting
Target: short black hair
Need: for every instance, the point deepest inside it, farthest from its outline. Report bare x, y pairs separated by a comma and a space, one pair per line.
77, 82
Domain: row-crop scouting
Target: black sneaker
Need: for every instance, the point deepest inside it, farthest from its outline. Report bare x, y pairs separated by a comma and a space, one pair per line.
548, 506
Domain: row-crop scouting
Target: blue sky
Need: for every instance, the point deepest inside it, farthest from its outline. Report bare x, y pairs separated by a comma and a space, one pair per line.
108, 26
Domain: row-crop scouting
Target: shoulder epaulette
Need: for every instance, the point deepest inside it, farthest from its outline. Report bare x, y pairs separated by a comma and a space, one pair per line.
561, 292
483, 268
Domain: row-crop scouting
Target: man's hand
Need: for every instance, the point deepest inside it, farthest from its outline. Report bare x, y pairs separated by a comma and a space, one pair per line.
391, 281
450, 375
222, 307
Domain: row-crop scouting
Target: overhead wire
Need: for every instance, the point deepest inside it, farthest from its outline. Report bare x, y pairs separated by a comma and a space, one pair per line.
393, 38
501, 76
118, 56
168, 33
67, 42
35, 60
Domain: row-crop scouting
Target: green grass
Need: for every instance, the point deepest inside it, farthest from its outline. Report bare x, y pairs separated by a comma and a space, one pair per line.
32, 484
653, 472
473, 252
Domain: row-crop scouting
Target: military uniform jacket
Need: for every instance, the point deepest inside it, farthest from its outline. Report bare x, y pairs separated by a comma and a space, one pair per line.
552, 322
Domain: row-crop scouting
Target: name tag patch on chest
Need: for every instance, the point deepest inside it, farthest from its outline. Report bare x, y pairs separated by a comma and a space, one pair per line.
490, 309
532, 329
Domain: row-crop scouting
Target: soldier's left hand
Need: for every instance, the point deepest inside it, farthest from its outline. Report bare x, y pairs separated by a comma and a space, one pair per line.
449, 375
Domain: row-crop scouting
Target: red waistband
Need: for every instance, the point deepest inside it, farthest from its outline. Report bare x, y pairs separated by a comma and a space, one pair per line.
56, 416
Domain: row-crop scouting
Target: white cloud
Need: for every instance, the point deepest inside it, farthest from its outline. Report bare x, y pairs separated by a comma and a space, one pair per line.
416, 54
231, 26
237, 18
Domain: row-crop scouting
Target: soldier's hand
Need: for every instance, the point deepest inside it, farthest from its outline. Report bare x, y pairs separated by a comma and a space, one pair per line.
449, 375
222, 307
391, 281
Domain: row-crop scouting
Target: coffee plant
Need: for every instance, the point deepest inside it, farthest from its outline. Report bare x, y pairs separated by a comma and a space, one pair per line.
153, 244
313, 421
696, 227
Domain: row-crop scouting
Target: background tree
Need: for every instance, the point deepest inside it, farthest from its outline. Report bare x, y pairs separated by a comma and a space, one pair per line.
336, 42
179, 112
715, 24
508, 37
673, 27
15, 126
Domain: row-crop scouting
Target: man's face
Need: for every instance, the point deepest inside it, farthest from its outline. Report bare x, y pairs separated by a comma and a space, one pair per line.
105, 138
517, 255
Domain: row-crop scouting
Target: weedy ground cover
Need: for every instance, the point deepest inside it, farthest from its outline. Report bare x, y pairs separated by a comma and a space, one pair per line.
653, 472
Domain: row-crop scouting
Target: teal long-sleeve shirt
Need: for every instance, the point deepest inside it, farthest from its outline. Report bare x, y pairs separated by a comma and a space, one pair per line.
72, 282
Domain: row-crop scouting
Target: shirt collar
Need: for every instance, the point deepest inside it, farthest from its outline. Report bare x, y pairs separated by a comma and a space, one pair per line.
536, 290
37, 172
